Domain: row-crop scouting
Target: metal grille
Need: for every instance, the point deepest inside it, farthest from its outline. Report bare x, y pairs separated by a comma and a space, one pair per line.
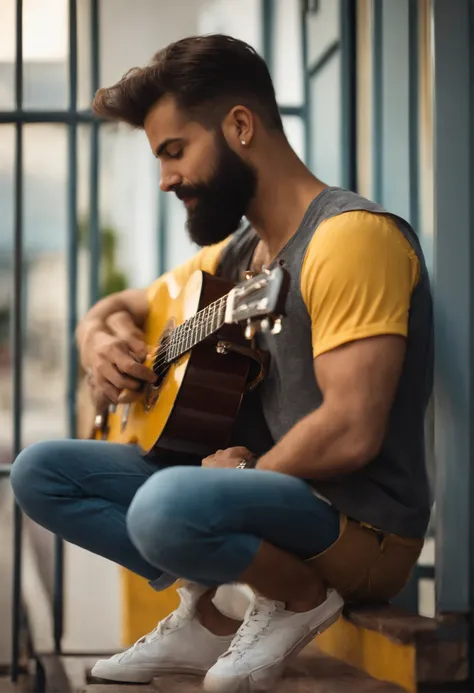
71, 118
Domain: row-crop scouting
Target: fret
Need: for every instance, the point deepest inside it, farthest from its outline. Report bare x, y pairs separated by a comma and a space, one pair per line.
203, 327
183, 347
196, 329
187, 339
213, 317
198, 326
181, 336
174, 343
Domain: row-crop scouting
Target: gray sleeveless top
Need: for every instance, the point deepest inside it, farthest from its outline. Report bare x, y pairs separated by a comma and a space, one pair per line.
392, 491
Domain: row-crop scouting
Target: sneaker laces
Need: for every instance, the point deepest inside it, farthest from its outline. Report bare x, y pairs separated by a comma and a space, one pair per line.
173, 621
256, 621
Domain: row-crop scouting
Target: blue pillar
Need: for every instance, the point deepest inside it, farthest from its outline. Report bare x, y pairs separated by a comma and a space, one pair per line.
453, 297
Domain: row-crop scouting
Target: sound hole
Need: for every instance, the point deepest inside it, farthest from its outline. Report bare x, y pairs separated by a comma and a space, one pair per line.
160, 366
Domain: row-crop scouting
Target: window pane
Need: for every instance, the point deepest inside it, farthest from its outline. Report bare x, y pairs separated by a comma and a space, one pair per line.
322, 28
83, 207
45, 54
178, 245
239, 18
294, 129
364, 103
7, 54
128, 206
325, 121
45, 215
7, 157
84, 54
287, 55
131, 32
426, 182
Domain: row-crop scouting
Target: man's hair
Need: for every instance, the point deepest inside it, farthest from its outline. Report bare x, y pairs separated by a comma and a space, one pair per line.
206, 75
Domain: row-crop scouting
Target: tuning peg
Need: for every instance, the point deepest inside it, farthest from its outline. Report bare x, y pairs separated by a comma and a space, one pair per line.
250, 330
277, 326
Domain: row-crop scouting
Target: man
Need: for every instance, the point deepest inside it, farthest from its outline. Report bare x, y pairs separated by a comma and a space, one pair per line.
337, 507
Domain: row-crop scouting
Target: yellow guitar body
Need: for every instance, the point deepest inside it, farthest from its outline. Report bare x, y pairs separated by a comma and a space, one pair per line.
173, 304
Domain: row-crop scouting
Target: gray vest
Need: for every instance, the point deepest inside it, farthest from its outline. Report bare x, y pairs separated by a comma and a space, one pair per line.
392, 491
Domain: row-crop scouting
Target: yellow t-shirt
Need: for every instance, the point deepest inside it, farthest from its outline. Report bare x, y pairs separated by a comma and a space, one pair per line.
207, 260
357, 278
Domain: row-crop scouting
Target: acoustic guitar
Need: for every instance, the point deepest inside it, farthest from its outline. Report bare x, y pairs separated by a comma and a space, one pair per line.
201, 340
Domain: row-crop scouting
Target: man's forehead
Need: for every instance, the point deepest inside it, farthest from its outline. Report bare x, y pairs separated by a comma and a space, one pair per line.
165, 121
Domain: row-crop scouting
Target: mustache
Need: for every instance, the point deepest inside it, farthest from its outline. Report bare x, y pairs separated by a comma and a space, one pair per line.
184, 192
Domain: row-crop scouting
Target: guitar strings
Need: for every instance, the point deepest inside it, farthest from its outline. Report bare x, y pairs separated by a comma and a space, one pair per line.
183, 330
161, 362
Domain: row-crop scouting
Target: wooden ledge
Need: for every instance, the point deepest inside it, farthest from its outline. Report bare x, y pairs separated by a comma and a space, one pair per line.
405, 649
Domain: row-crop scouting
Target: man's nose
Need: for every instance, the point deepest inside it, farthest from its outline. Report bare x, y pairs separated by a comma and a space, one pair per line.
169, 181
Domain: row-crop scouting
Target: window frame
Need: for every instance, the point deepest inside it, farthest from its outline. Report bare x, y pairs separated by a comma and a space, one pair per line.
71, 117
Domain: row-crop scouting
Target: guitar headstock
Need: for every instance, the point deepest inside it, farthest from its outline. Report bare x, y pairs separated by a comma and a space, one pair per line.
259, 302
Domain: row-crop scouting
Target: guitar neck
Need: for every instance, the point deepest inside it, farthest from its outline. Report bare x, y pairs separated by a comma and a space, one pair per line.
196, 329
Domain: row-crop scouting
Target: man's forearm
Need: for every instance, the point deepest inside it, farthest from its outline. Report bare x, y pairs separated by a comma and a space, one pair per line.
320, 446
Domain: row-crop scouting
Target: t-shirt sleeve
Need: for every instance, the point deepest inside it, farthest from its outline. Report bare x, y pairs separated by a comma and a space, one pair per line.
207, 260
357, 278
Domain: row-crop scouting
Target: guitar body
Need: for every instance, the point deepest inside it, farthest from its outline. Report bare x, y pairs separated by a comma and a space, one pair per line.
195, 406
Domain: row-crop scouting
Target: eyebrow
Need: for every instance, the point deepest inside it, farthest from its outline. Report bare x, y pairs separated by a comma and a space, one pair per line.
161, 148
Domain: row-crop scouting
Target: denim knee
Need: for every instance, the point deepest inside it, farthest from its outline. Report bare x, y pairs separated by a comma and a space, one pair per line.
161, 518
30, 472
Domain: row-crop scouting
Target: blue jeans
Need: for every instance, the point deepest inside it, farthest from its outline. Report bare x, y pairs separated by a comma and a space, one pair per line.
164, 522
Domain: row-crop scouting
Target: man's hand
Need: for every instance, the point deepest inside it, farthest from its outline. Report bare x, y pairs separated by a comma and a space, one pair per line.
122, 326
116, 365
228, 458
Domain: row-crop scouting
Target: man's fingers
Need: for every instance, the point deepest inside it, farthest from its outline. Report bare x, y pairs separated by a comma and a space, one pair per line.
129, 366
123, 327
106, 390
119, 380
138, 347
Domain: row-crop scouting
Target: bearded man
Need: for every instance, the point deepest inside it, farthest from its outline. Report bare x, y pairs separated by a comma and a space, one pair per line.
323, 496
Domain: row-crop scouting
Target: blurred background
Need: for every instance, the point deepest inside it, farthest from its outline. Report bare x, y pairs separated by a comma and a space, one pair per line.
372, 92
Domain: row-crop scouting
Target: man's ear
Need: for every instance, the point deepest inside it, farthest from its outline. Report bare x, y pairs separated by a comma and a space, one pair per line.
238, 127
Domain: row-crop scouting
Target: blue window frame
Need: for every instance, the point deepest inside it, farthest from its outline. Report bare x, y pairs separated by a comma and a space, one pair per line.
21, 116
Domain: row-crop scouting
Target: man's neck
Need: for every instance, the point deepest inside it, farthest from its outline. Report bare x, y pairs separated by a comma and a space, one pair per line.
286, 188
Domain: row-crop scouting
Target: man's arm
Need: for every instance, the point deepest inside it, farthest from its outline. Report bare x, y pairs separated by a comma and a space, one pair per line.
358, 382
356, 281
111, 345
110, 336
130, 305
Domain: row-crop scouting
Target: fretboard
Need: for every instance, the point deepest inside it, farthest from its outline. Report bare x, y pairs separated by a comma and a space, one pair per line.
196, 329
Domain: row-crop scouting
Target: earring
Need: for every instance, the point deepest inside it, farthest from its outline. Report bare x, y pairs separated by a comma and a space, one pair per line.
243, 142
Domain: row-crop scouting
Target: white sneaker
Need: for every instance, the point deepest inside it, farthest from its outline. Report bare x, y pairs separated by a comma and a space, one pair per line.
179, 644
265, 641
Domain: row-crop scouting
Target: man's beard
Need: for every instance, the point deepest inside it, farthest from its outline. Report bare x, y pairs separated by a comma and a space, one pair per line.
220, 203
